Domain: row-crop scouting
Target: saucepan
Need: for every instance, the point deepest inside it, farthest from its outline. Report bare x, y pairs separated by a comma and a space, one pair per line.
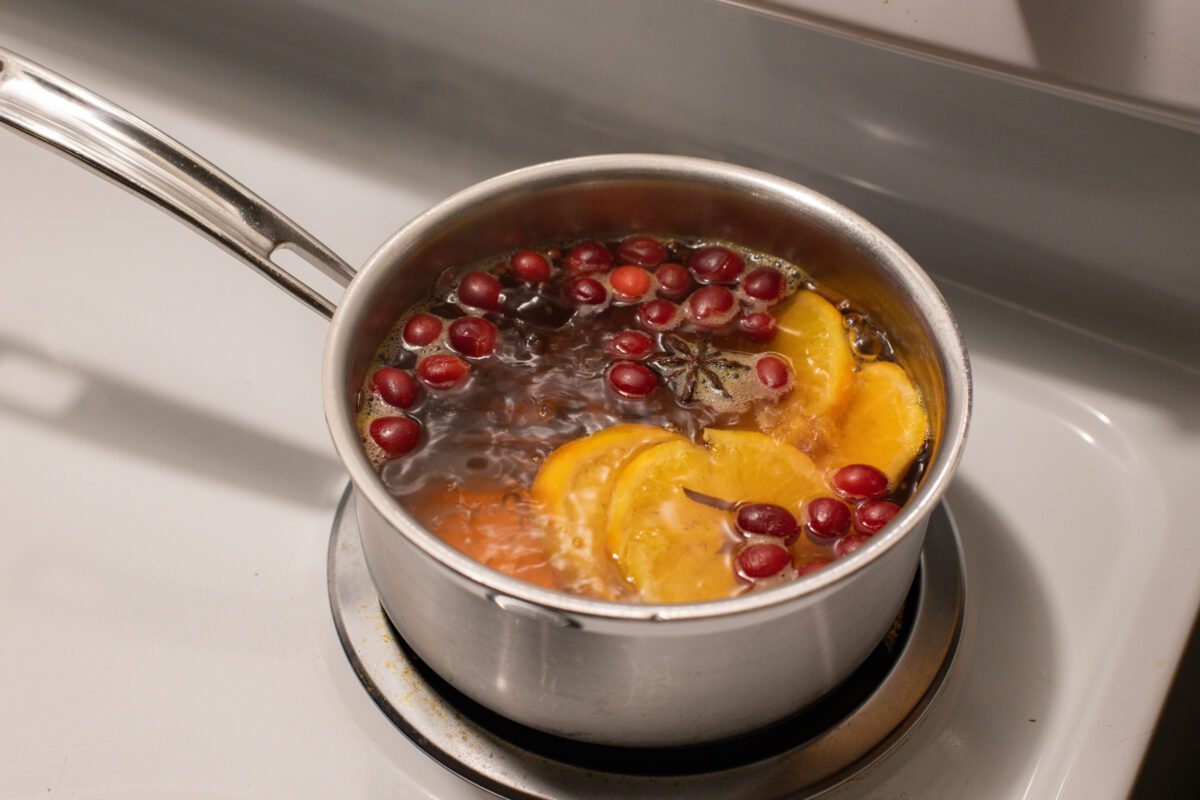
592, 670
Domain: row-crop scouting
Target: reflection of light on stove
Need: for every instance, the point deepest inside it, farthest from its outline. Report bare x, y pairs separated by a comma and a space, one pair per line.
874, 188
38, 387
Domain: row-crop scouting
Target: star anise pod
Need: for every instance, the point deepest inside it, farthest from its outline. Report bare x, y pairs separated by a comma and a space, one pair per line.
684, 364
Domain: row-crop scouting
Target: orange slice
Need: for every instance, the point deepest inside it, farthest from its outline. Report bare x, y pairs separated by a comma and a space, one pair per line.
812, 334
885, 423
676, 550
573, 488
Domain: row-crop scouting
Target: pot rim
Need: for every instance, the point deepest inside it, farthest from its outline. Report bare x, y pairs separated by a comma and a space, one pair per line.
927, 300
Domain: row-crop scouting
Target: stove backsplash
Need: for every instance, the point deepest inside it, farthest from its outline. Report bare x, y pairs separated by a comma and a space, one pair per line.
1070, 210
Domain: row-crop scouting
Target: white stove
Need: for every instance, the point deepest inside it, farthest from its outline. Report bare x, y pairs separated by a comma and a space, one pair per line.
169, 487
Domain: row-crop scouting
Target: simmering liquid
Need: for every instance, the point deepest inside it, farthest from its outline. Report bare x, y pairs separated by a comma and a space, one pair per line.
522, 411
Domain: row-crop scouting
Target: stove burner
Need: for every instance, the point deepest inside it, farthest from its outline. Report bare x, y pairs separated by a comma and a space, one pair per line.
823, 745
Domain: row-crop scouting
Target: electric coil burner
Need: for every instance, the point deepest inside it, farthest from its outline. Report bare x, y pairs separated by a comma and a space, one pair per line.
823, 745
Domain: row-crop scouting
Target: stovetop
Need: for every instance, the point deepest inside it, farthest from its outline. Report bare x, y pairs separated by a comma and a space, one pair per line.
169, 487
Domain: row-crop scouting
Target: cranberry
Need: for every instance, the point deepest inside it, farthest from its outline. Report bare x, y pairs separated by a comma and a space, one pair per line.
473, 336
716, 264
443, 371
631, 379
767, 519
849, 544
530, 266
827, 518
633, 345
480, 290
642, 250
871, 516
763, 560
422, 329
588, 257
396, 387
809, 567
763, 283
630, 282
658, 315
587, 292
395, 435
711, 306
772, 372
860, 482
758, 327
674, 281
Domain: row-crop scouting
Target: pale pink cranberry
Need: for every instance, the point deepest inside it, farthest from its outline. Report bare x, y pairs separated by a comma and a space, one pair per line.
848, 544
809, 567
860, 482
395, 435
757, 327
872, 516
763, 560
396, 387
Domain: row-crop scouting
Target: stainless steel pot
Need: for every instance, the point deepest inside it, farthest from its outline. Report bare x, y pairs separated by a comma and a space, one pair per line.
646, 675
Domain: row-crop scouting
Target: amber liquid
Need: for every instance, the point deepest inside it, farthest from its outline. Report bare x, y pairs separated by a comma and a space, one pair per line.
484, 442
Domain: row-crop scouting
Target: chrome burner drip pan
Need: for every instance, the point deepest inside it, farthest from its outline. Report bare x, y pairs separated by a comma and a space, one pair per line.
823, 745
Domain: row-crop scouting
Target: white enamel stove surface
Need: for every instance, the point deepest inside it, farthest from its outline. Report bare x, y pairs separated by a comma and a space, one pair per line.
168, 488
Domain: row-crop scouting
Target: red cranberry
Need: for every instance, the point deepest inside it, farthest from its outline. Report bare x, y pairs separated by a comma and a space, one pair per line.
763, 283
396, 387
674, 281
711, 306
658, 315
642, 250
757, 327
809, 567
763, 560
871, 516
587, 257
716, 264
630, 282
632, 345
530, 266
631, 379
422, 329
473, 336
587, 292
767, 519
848, 544
480, 290
772, 372
395, 435
442, 371
827, 518
860, 482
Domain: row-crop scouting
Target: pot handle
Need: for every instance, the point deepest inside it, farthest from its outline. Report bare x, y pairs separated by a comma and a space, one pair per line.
62, 115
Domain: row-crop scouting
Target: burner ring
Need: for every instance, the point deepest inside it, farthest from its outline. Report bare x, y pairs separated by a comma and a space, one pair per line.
819, 747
